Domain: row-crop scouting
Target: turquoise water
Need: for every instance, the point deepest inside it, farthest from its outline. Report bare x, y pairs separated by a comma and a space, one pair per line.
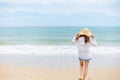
56, 35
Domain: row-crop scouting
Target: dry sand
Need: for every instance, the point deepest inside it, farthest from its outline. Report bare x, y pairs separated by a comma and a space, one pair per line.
12, 72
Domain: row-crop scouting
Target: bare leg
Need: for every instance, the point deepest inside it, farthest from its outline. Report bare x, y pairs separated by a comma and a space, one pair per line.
81, 69
85, 69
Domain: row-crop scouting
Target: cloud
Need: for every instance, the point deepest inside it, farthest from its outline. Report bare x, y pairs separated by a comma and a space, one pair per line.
60, 7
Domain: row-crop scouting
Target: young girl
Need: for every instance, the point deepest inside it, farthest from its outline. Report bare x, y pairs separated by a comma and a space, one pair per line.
84, 40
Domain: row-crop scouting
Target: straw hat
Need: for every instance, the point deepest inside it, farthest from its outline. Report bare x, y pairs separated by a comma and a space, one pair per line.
85, 31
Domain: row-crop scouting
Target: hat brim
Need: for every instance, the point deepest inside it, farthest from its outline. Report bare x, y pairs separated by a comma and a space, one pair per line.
86, 32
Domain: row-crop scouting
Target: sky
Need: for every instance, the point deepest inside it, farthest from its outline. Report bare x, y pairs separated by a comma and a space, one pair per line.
59, 13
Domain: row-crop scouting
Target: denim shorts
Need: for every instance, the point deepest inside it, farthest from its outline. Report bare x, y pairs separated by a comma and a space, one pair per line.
84, 59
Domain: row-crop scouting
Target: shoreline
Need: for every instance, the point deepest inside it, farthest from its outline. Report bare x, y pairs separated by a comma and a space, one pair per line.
66, 60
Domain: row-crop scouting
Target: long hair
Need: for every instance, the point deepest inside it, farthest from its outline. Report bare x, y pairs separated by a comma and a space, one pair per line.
86, 38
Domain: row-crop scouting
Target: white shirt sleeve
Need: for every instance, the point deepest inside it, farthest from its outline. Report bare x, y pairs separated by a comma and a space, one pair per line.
93, 41
73, 40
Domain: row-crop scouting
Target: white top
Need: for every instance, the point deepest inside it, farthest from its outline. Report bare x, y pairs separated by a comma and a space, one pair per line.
83, 48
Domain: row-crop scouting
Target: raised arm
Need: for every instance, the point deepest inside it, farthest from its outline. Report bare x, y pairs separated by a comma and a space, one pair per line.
74, 38
93, 41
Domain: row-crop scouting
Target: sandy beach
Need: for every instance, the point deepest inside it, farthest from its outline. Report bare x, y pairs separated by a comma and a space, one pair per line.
15, 72
57, 67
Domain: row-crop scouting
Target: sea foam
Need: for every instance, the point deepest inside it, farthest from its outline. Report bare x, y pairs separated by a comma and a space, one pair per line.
54, 49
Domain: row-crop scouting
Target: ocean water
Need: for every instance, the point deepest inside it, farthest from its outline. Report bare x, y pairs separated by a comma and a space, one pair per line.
55, 40
56, 35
